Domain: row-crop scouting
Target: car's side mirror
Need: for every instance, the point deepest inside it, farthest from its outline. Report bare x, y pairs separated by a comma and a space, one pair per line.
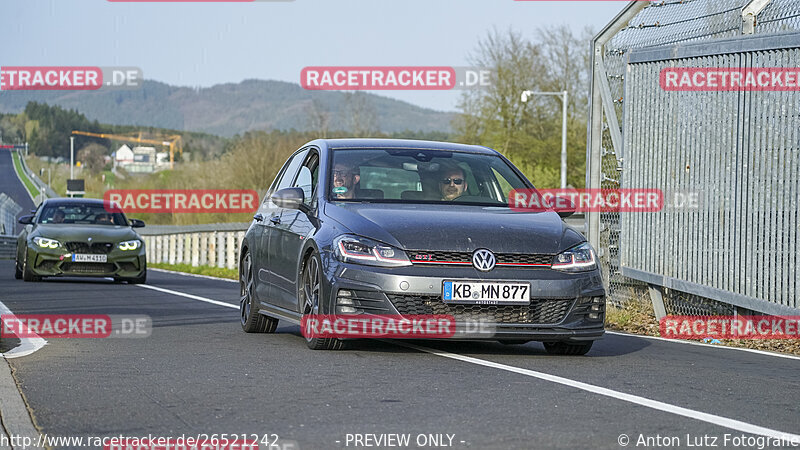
290, 198
26, 220
566, 213
136, 223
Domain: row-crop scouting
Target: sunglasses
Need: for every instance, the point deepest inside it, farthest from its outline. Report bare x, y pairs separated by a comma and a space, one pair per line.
341, 173
456, 181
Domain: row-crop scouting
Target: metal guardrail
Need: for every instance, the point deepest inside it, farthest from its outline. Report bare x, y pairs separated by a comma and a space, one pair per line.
8, 247
45, 191
215, 245
738, 250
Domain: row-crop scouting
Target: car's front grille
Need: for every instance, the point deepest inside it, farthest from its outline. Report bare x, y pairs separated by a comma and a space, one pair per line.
464, 258
539, 311
96, 248
47, 264
87, 267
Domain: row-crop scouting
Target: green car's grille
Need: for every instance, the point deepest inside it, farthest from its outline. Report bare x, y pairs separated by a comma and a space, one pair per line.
96, 248
88, 267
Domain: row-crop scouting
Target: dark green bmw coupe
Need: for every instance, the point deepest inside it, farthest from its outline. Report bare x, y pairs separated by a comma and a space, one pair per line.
80, 237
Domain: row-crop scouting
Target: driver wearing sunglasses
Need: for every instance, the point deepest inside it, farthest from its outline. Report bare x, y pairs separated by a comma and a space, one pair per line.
452, 183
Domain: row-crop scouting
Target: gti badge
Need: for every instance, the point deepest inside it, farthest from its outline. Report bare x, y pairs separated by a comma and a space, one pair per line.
483, 260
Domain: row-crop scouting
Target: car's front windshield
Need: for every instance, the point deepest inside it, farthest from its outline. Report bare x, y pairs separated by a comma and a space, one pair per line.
87, 214
421, 176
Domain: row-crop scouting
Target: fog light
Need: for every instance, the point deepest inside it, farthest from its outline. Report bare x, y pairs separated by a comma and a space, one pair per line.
594, 316
346, 310
597, 300
597, 307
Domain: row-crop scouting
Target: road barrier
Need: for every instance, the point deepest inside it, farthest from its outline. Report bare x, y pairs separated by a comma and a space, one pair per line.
215, 245
735, 251
8, 247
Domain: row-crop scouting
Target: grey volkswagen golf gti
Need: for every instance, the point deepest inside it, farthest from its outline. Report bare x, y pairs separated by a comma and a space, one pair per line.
401, 227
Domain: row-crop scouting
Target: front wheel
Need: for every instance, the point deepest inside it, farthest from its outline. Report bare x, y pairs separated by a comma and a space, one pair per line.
566, 348
252, 321
27, 273
17, 270
309, 297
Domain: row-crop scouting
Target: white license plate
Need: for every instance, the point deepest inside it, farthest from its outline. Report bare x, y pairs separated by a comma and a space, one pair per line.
90, 258
486, 292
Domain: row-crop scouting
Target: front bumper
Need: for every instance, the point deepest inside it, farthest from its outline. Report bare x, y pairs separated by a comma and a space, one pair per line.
58, 262
563, 306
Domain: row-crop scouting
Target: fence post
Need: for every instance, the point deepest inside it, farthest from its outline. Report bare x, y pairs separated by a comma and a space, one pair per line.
195, 249
229, 247
172, 238
220, 249
187, 248
212, 249
179, 249
203, 250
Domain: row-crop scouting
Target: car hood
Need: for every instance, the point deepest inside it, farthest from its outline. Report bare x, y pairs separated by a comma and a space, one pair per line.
456, 227
74, 232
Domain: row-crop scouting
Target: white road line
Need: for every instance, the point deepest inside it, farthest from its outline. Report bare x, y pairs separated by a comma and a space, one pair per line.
208, 277
193, 297
701, 344
654, 404
27, 345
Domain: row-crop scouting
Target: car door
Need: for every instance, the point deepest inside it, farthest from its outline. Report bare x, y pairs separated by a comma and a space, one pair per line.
269, 214
289, 233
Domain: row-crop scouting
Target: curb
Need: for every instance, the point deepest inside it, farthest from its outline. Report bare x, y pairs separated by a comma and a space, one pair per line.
14, 415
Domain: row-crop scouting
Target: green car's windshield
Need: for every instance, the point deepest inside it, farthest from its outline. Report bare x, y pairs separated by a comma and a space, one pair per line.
80, 214
421, 176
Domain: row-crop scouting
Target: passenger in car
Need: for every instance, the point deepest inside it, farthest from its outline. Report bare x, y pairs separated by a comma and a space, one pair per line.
452, 182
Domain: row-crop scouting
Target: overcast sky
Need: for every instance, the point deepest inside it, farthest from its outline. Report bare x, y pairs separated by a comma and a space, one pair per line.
202, 44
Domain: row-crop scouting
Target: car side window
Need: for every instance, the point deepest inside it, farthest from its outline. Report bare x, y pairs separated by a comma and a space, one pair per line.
307, 179
288, 173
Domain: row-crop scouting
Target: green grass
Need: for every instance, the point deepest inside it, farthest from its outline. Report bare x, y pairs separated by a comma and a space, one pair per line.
24, 178
219, 272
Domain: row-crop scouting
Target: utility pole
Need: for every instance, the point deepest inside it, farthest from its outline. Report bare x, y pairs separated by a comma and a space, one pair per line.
71, 157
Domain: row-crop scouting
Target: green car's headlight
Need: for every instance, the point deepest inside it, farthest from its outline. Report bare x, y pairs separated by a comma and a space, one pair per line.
130, 245
46, 243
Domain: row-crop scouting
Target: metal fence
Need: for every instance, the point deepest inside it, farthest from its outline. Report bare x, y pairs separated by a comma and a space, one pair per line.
739, 149
215, 245
8, 215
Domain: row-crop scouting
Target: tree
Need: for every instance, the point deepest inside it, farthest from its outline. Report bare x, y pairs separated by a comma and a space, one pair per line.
361, 114
318, 118
529, 133
92, 157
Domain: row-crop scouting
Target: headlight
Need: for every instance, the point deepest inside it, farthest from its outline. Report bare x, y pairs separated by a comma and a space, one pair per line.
577, 259
130, 245
359, 250
46, 243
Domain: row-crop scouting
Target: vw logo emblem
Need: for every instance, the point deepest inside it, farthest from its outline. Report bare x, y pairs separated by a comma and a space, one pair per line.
90, 239
483, 260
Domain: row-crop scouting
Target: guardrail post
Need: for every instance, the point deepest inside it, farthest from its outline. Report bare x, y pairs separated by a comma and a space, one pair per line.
230, 251
195, 249
220, 249
172, 239
203, 250
657, 297
239, 241
212, 249
187, 248
159, 244
179, 249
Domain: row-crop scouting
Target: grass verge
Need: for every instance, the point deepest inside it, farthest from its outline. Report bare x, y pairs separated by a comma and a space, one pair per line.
22, 177
219, 272
637, 317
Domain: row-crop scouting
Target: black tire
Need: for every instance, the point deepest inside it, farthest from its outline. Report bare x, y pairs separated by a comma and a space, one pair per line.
27, 273
252, 321
308, 296
566, 348
17, 270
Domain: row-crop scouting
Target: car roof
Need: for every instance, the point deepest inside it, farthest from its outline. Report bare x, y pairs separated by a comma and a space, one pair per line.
74, 201
355, 144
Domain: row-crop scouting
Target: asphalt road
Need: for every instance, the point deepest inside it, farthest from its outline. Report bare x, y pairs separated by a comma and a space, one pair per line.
198, 372
11, 186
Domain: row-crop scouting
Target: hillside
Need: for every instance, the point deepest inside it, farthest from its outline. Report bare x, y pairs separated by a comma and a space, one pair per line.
228, 109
